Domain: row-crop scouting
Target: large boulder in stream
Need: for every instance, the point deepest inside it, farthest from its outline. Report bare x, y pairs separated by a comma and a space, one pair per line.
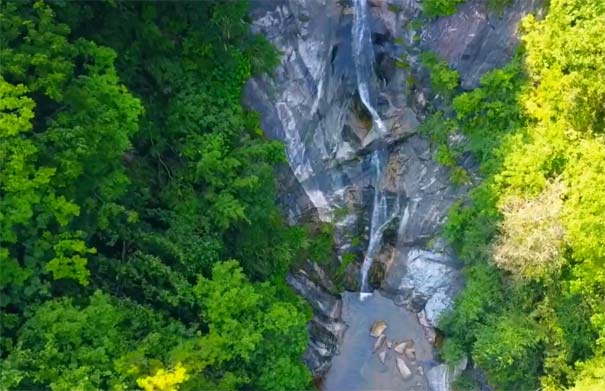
403, 368
440, 377
424, 280
378, 328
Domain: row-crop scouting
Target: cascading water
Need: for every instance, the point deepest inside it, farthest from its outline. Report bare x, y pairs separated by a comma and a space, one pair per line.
363, 56
380, 219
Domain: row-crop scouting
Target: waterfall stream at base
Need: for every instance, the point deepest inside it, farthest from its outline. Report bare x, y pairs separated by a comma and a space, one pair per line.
379, 220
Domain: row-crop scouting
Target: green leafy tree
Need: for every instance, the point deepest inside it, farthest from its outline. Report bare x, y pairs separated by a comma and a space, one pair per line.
61, 169
118, 224
256, 338
443, 79
536, 127
509, 351
101, 345
434, 8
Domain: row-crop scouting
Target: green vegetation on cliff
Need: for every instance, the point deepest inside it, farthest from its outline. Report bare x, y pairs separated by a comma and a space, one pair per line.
532, 233
436, 8
433, 8
140, 244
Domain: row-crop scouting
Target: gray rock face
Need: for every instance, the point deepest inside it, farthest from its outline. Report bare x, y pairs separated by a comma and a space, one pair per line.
309, 94
294, 202
475, 39
341, 167
322, 302
327, 328
423, 280
327, 337
441, 376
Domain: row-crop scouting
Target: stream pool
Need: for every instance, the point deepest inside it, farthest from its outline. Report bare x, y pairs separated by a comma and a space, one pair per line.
358, 367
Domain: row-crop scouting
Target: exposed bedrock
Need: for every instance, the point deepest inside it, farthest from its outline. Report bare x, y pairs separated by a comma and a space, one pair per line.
341, 168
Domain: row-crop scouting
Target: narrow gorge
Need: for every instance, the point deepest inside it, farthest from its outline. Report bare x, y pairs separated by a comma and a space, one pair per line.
285, 195
347, 100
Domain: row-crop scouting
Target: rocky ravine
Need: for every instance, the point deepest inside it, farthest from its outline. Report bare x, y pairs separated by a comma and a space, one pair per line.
312, 103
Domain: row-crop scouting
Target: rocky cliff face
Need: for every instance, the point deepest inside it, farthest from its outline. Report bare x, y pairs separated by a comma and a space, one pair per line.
341, 166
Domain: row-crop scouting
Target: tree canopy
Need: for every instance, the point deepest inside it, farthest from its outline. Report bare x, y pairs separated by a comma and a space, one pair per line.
140, 242
532, 232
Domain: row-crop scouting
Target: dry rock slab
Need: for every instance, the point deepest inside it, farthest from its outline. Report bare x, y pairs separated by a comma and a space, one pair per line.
404, 370
400, 347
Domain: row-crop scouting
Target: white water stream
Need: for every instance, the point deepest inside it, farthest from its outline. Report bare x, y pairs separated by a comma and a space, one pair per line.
380, 219
363, 56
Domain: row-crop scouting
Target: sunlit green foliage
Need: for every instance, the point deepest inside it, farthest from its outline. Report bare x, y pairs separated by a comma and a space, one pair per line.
253, 338
536, 127
444, 82
68, 347
61, 171
433, 8
130, 176
443, 79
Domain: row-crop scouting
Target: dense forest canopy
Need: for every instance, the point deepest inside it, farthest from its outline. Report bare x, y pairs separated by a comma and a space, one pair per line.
140, 241
532, 233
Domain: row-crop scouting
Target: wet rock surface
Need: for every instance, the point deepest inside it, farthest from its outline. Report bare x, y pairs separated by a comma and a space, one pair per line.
440, 377
378, 328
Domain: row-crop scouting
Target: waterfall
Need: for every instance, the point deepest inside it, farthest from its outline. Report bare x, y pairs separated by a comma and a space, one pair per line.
380, 218
363, 57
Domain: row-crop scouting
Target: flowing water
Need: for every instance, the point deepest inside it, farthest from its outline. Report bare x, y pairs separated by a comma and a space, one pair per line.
359, 366
380, 219
363, 56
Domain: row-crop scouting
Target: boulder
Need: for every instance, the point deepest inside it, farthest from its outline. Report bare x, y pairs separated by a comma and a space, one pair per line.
429, 331
403, 369
401, 346
438, 304
378, 328
441, 376
423, 280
